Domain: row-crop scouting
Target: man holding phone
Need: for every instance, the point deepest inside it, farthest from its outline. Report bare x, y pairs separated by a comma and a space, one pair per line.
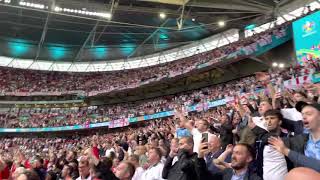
202, 127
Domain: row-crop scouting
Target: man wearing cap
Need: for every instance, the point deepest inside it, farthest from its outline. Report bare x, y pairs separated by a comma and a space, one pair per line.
304, 149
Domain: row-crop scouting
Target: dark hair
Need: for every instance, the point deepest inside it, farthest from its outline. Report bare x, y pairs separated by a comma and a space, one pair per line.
52, 174
249, 148
31, 175
189, 140
274, 112
70, 169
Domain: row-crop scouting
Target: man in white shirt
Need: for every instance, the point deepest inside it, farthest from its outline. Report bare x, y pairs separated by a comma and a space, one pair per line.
202, 127
271, 164
154, 172
84, 169
134, 159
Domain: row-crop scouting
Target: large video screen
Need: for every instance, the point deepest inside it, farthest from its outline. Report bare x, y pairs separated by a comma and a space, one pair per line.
307, 38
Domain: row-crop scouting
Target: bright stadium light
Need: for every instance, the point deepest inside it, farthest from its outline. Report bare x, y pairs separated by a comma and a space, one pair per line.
193, 19
221, 23
275, 64
57, 9
281, 65
162, 15
105, 15
33, 5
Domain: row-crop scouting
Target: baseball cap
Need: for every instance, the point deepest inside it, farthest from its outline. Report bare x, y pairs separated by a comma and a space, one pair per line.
301, 104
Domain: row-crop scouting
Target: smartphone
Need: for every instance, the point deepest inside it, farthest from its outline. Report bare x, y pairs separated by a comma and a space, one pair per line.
205, 137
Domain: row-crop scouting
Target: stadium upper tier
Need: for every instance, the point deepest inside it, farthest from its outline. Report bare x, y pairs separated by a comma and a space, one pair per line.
50, 117
213, 45
25, 82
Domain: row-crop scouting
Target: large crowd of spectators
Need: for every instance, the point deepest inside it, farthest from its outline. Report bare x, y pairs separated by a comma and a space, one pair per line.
28, 81
274, 135
49, 117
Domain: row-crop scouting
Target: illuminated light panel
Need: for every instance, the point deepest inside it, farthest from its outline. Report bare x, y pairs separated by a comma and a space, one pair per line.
106, 15
33, 5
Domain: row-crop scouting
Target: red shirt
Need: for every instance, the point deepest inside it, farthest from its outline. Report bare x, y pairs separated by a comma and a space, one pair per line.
5, 173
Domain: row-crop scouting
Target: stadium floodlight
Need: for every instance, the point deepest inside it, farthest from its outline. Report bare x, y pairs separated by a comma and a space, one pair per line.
281, 65
33, 5
57, 9
275, 64
105, 15
162, 15
221, 23
83, 11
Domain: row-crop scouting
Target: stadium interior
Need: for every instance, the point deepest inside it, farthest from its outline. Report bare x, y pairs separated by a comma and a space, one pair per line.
159, 89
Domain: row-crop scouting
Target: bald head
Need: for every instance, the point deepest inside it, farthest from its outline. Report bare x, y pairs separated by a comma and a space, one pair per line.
302, 173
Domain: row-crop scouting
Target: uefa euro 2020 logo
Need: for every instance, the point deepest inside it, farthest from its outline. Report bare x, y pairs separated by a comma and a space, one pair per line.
308, 26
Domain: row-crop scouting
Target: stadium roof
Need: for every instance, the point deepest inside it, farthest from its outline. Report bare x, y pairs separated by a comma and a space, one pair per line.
48, 32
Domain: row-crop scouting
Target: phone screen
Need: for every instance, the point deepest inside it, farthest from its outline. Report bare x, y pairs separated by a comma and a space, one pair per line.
205, 137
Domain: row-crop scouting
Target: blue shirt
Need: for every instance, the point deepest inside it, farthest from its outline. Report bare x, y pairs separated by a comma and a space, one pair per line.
183, 132
312, 148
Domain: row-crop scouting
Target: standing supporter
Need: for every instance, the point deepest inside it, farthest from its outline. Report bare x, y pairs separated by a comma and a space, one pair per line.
270, 163
84, 169
202, 126
125, 171
303, 150
134, 159
226, 135
242, 157
154, 171
215, 150
184, 168
141, 152
66, 173
37, 166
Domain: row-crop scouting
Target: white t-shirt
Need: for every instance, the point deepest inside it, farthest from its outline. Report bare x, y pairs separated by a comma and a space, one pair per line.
274, 164
108, 152
197, 137
291, 114
79, 178
259, 121
138, 173
153, 173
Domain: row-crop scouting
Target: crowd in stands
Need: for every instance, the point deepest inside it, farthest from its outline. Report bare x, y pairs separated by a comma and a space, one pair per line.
274, 135
268, 131
26, 81
49, 117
